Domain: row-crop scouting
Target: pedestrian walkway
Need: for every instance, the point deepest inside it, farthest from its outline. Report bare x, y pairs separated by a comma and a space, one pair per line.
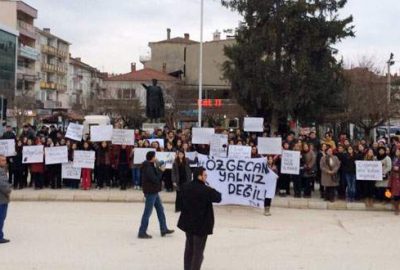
114, 195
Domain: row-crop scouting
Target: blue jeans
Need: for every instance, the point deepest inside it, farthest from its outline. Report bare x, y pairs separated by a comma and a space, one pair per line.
153, 200
136, 177
3, 214
351, 186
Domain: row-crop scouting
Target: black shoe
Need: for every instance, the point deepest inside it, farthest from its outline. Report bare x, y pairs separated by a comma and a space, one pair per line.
4, 241
144, 236
167, 232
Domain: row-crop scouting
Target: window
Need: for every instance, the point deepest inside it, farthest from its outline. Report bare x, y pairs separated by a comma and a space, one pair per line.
7, 61
126, 93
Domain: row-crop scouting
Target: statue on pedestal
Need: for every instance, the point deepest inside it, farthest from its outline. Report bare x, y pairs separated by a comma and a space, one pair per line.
154, 102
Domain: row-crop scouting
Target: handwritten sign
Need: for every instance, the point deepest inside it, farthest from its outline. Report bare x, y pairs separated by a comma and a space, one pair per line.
167, 158
68, 171
244, 182
74, 132
269, 146
290, 162
123, 137
202, 135
239, 151
84, 159
192, 157
32, 154
56, 155
139, 155
7, 148
253, 124
369, 170
101, 133
219, 145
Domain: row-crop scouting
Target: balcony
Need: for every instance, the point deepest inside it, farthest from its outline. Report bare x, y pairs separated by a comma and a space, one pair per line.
26, 29
53, 86
61, 69
28, 52
54, 51
27, 74
51, 104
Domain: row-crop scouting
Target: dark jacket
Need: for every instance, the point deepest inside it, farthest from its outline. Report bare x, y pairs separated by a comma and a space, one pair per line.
176, 175
197, 216
349, 164
151, 178
5, 187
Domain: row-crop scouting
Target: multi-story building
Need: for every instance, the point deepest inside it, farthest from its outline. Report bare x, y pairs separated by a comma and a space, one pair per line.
8, 62
179, 57
51, 90
20, 16
84, 82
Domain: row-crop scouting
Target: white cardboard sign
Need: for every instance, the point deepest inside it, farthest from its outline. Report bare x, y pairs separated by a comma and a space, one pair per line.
32, 154
369, 170
202, 135
139, 155
239, 151
123, 137
253, 124
167, 157
74, 132
68, 171
219, 145
101, 133
269, 146
7, 148
56, 155
290, 162
84, 159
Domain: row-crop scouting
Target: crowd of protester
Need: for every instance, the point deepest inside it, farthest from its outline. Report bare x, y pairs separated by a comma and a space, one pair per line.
328, 166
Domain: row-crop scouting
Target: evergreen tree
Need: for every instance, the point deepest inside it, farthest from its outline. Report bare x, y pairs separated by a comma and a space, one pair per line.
283, 61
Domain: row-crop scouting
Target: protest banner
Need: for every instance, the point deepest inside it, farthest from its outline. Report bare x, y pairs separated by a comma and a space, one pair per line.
202, 135
7, 148
290, 162
369, 170
32, 154
139, 156
123, 137
160, 142
253, 124
269, 146
167, 158
68, 171
56, 155
84, 159
239, 151
192, 157
219, 145
244, 182
74, 132
101, 133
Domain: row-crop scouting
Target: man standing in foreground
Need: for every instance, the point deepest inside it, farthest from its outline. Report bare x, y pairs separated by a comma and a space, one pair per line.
151, 177
197, 217
5, 190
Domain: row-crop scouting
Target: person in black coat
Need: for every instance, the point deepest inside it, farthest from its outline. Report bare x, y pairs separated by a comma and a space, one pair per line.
181, 174
197, 217
151, 179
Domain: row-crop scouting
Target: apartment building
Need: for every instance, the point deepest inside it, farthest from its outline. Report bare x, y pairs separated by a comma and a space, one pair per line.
20, 17
51, 90
84, 83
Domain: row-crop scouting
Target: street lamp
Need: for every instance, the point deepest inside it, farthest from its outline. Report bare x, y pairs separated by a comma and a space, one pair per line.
389, 63
201, 63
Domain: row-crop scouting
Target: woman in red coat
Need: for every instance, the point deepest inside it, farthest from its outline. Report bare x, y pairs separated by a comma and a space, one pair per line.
37, 172
394, 185
86, 175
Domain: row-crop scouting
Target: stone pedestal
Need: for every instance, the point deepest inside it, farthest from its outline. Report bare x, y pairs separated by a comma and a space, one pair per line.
150, 127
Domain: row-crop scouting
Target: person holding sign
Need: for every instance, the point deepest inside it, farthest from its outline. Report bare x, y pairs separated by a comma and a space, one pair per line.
151, 187
197, 217
330, 165
103, 162
86, 175
181, 174
368, 186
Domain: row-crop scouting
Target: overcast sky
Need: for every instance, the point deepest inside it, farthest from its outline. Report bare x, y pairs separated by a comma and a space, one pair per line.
110, 34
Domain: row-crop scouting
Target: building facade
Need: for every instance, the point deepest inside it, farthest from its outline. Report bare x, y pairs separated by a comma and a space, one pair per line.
20, 16
51, 90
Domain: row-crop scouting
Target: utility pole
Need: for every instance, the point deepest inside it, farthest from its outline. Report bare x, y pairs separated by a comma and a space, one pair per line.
201, 64
389, 63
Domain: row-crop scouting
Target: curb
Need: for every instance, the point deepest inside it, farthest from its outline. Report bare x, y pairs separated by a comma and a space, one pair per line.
169, 198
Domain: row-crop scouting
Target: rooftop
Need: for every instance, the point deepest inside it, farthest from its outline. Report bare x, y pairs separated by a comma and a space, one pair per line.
176, 40
146, 74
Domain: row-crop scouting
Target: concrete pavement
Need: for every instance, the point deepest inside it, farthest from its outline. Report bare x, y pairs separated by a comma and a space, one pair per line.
102, 236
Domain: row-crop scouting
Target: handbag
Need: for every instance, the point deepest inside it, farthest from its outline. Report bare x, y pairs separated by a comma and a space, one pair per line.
335, 177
